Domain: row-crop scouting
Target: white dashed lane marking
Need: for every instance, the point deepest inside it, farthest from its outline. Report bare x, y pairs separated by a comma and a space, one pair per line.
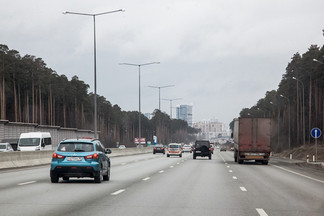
26, 183
234, 177
161, 171
261, 212
243, 189
118, 192
145, 179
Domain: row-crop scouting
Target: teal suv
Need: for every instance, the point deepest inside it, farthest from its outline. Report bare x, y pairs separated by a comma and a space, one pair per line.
80, 158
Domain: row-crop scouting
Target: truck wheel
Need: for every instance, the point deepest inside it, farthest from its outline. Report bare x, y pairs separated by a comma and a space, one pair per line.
66, 178
180, 155
168, 155
194, 156
265, 162
240, 161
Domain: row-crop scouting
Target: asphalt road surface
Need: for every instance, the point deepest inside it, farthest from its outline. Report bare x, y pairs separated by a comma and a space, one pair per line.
150, 184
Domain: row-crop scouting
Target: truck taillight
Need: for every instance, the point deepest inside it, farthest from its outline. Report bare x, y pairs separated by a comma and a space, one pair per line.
57, 156
93, 156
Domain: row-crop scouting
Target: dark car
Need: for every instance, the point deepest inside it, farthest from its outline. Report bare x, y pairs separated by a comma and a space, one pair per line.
202, 149
80, 158
159, 148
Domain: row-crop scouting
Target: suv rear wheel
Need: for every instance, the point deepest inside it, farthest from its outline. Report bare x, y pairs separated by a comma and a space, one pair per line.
107, 177
98, 177
54, 178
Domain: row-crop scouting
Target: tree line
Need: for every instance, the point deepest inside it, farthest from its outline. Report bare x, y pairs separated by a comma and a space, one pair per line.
31, 92
299, 100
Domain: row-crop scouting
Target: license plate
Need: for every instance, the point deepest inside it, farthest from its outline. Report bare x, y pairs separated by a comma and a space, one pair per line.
254, 157
74, 158
198, 151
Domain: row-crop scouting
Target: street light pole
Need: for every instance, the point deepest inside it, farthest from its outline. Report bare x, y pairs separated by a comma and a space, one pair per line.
159, 87
303, 107
288, 119
171, 104
139, 93
94, 59
278, 130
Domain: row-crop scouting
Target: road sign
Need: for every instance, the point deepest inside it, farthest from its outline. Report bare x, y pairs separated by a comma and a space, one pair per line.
316, 133
143, 141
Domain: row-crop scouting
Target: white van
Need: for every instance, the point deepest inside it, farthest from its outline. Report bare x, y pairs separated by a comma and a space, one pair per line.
34, 141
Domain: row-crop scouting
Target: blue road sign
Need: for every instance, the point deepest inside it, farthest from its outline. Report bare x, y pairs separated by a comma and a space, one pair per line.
316, 133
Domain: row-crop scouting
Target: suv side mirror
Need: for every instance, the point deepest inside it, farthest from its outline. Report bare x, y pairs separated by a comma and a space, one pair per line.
107, 151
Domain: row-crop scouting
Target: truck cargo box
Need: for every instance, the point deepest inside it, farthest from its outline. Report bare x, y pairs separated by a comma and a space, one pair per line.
252, 139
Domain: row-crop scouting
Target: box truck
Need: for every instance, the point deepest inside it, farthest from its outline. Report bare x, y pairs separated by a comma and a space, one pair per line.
34, 141
252, 139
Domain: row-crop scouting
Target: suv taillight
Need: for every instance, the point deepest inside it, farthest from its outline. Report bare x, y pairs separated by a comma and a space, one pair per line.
93, 156
58, 156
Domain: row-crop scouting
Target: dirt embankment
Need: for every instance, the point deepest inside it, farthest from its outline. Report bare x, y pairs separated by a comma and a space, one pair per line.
300, 153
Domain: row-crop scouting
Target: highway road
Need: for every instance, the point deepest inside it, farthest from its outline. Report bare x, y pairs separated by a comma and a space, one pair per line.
150, 184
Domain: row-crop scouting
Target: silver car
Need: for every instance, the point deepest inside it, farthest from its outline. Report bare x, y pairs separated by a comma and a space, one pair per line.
187, 148
6, 147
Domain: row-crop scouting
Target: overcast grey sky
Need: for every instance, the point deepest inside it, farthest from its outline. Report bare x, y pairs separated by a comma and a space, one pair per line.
221, 55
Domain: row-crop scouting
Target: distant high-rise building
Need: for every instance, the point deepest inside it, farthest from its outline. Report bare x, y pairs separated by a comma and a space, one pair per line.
184, 112
211, 129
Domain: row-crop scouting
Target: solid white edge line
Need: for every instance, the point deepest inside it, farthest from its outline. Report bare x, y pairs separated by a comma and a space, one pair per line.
296, 173
243, 189
118, 192
25, 183
261, 212
145, 179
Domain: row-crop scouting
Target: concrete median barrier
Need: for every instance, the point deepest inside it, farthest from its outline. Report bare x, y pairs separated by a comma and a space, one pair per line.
25, 159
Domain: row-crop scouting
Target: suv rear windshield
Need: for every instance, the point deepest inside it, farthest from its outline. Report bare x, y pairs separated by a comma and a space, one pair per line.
173, 146
76, 147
